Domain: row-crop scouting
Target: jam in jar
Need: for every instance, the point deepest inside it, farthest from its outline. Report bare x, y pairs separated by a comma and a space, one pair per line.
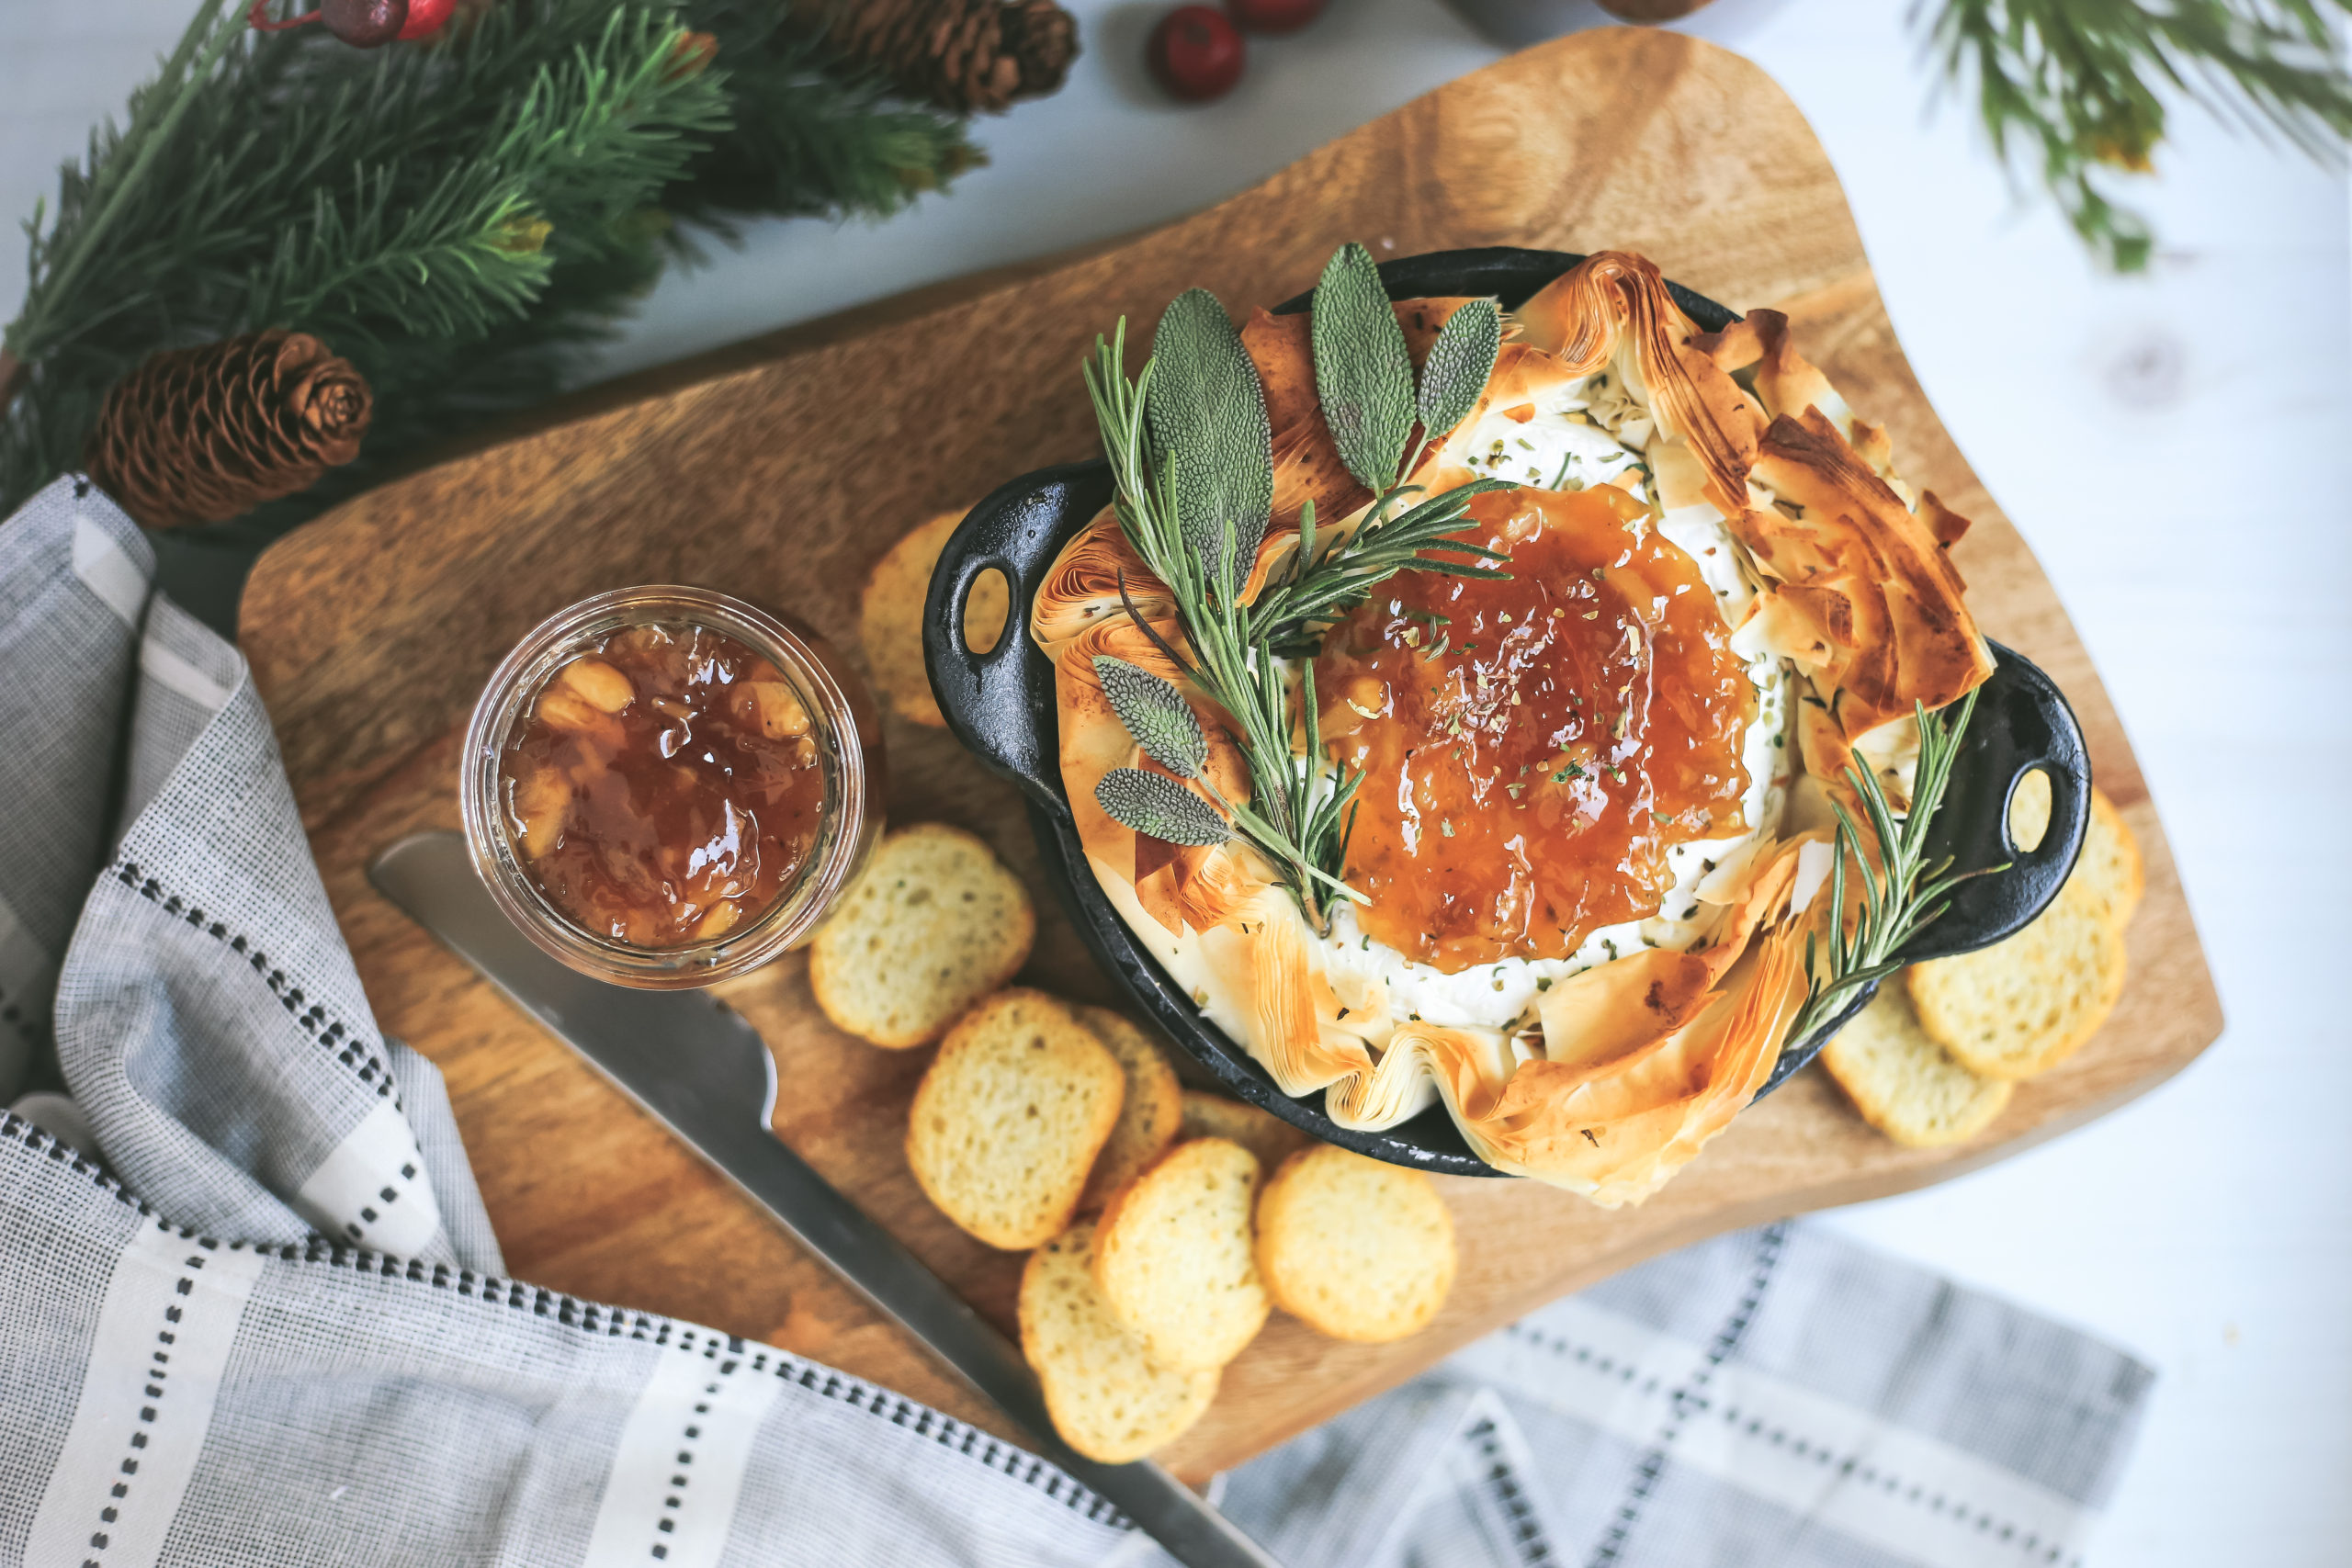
666, 786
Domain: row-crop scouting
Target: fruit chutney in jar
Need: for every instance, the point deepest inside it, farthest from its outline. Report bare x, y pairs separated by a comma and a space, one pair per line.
666, 786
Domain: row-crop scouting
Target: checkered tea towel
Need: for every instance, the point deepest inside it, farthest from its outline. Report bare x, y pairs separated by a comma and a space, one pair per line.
1774, 1397
252, 1310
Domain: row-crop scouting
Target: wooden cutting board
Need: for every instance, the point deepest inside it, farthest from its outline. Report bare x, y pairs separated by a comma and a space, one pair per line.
781, 469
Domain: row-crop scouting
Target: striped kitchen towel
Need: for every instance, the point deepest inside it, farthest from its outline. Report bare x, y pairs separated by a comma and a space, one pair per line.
252, 1310
1777, 1397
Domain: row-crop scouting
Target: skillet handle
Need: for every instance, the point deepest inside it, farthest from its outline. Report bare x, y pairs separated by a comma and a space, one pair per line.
1000, 703
2021, 724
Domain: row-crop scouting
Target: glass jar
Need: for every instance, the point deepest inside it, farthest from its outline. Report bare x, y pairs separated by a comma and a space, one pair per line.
842, 725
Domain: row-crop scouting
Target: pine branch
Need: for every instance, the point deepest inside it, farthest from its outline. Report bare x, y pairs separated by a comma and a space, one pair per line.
2078, 86
813, 132
452, 262
462, 220
588, 145
207, 38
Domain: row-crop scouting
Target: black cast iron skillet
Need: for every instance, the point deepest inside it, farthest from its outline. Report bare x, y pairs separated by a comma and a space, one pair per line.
1001, 704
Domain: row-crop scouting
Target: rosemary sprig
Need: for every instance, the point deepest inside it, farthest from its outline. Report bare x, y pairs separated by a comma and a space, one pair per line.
1191, 458
1295, 812
1903, 894
1327, 582
1364, 374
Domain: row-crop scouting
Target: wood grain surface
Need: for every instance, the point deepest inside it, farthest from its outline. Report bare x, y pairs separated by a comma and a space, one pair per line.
781, 469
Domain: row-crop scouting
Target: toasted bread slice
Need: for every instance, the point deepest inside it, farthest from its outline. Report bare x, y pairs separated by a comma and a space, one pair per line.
1109, 1400
1147, 1116
932, 923
1355, 1248
1172, 1254
1903, 1083
2022, 1006
1008, 1120
889, 622
1270, 1138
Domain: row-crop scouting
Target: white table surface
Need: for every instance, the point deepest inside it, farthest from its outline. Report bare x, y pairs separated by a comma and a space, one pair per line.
2177, 447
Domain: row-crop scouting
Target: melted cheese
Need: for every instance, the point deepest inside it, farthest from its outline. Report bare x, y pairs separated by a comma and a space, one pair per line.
1591, 434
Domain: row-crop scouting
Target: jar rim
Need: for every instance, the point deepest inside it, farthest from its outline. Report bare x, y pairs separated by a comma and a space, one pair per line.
792, 916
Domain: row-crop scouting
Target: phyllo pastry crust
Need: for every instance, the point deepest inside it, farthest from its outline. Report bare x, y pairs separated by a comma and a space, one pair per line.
1589, 775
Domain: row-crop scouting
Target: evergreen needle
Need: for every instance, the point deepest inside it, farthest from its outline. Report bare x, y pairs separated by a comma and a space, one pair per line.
147, 137
2082, 84
461, 219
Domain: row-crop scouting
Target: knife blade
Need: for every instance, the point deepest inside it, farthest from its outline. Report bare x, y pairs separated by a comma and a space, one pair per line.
704, 1073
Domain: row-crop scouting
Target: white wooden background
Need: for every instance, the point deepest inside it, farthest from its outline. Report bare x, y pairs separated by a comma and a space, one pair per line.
2178, 449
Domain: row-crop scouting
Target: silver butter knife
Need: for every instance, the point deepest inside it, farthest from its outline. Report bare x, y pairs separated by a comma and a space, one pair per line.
701, 1072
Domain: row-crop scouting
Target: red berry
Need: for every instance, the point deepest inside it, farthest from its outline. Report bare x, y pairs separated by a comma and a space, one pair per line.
365, 24
426, 18
1196, 52
1275, 16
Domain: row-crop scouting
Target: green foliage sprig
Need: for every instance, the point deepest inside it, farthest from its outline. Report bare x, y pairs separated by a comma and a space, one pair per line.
810, 135
1191, 454
1903, 894
461, 219
1295, 811
2079, 84
1363, 371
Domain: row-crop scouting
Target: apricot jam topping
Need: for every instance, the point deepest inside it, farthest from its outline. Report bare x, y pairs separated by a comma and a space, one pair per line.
1532, 748
665, 788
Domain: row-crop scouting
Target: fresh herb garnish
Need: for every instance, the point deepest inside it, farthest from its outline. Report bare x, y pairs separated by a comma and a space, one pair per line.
1206, 400
1156, 804
1294, 814
1363, 374
1191, 455
1459, 362
1902, 895
1156, 713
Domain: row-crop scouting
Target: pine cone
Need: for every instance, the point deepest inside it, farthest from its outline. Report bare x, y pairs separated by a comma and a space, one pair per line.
961, 54
201, 435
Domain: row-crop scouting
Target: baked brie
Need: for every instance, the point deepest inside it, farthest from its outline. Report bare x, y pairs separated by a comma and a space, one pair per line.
1591, 808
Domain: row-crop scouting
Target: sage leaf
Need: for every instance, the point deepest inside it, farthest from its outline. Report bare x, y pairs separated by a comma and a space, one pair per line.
1459, 363
1362, 373
1157, 807
1156, 713
1208, 424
